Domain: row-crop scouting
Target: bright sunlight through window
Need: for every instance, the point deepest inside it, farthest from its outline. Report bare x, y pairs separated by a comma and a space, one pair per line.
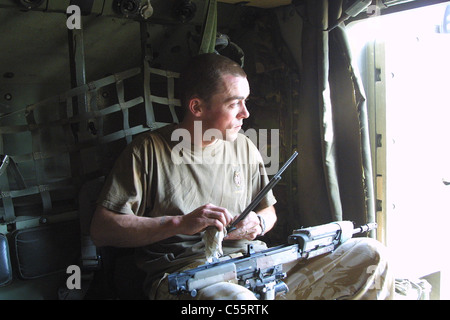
411, 56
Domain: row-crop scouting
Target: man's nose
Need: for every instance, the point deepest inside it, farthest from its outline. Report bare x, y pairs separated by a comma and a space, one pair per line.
244, 114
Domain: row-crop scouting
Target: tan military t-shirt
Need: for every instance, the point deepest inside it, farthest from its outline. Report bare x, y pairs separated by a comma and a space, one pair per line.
158, 174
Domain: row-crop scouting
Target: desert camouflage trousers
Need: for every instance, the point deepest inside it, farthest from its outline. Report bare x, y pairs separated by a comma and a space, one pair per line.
358, 269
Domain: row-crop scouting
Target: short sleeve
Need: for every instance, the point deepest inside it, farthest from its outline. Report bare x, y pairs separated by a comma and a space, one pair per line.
126, 185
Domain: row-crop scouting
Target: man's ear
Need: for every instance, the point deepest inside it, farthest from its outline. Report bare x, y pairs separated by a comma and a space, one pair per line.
195, 106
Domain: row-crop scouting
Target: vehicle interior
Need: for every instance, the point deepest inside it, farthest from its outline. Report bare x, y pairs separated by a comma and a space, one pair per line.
366, 111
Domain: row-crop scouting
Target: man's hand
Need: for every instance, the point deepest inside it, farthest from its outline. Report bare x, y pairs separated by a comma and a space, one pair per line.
205, 216
249, 228
127, 230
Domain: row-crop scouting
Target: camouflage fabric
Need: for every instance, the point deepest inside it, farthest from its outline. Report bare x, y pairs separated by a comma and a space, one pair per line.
358, 269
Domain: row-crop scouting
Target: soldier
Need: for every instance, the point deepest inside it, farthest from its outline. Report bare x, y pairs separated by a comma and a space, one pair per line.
163, 193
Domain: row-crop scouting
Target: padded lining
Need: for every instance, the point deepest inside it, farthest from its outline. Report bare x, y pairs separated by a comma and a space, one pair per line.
5, 262
45, 250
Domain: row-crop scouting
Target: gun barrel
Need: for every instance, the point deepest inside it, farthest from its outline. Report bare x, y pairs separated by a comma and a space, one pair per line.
262, 193
288, 162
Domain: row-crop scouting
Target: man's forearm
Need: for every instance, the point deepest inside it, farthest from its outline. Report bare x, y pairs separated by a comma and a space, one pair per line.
127, 230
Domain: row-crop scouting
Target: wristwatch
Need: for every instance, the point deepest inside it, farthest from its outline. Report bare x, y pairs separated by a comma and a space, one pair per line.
262, 224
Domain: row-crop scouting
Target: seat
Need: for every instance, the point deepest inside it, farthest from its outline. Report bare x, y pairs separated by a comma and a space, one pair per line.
115, 274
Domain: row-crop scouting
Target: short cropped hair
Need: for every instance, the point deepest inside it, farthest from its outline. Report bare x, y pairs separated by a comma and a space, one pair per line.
202, 76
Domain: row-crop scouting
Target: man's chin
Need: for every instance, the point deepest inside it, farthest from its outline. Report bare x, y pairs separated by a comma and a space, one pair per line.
231, 135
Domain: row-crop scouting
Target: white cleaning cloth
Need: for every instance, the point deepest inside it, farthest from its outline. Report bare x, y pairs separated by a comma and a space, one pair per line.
212, 238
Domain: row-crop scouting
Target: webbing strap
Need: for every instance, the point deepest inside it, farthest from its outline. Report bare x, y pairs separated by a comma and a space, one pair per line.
171, 98
51, 185
8, 206
89, 256
209, 28
70, 143
77, 91
66, 112
170, 101
6, 195
121, 98
93, 108
38, 163
150, 115
8, 164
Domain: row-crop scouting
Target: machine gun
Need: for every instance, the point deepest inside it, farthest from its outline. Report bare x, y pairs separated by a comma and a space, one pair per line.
261, 271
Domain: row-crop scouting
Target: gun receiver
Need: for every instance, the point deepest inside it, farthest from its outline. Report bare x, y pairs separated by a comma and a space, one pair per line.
262, 272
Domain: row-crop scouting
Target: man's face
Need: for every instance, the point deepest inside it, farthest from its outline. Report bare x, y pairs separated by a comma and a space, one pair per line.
226, 110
